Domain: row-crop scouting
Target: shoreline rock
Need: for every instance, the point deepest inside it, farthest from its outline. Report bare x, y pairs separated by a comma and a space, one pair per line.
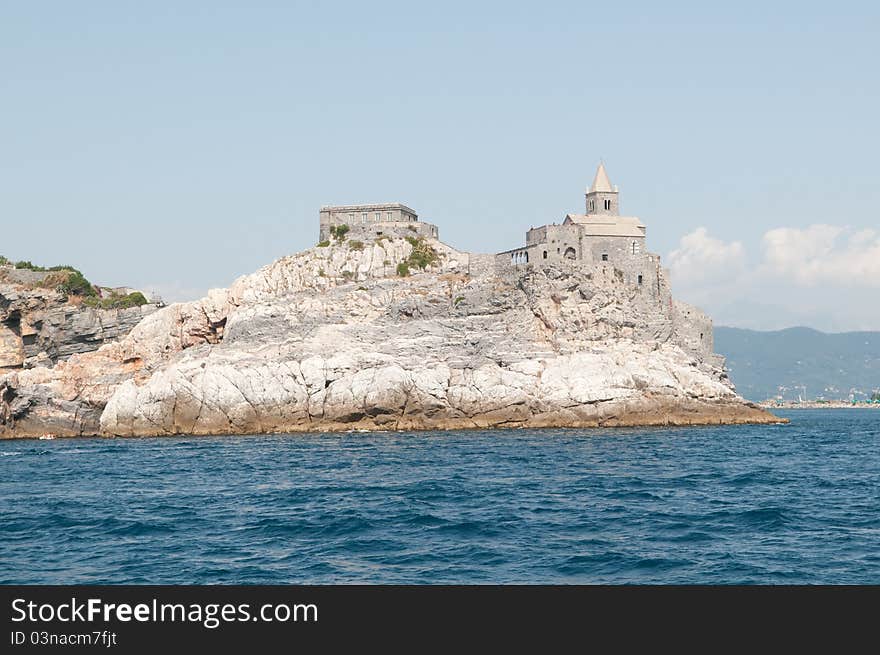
332, 339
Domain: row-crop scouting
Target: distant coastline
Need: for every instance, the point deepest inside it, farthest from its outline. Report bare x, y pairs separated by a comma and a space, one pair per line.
824, 404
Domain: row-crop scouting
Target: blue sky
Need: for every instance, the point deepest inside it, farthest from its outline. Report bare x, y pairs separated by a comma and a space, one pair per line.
176, 146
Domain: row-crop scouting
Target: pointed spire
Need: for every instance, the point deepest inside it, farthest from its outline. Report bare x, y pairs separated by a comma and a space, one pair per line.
601, 183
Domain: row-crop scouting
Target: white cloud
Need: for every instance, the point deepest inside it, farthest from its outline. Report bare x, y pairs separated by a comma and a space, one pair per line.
824, 254
817, 276
704, 265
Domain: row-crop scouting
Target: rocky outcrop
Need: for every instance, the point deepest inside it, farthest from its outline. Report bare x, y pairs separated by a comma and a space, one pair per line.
334, 339
41, 326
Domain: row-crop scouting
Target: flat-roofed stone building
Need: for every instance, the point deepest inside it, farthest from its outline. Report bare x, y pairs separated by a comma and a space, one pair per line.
384, 219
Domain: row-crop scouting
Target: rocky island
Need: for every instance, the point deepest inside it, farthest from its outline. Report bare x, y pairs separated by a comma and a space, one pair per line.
382, 326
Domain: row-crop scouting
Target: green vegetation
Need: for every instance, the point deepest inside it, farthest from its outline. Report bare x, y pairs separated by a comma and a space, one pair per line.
135, 299
338, 232
25, 265
422, 255
402, 269
77, 285
3, 261
457, 300
323, 244
321, 273
347, 275
356, 245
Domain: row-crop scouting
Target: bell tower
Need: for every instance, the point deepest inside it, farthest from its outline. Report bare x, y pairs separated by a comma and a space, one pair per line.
602, 197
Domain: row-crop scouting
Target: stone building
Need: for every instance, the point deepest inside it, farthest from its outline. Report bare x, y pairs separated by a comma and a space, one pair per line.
599, 235
370, 221
613, 245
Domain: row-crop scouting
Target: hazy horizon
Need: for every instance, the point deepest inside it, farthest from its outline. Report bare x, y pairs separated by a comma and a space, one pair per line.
174, 148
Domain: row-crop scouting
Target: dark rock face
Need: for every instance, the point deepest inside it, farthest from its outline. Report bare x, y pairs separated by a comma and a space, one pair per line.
38, 327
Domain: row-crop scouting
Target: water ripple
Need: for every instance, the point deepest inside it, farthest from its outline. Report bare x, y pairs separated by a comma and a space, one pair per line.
741, 504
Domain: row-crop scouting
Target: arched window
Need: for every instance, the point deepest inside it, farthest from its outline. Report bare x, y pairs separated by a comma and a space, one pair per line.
570, 253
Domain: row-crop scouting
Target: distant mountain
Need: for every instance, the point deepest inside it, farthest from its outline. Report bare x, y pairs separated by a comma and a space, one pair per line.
832, 366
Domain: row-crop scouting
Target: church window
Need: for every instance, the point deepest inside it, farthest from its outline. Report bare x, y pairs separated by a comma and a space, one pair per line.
607, 205
604, 256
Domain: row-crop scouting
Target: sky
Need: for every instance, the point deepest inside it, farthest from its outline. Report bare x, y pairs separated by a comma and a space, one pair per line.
176, 146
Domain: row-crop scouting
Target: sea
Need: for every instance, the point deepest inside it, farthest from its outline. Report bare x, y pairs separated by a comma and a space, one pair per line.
766, 504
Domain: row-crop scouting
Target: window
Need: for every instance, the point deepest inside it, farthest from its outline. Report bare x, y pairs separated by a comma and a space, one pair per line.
640, 281
570, 253
378, 217
635, 247
545, 254
701, 336
364, 217
387, 216
607, 204
604, 256
351, 217
592, 205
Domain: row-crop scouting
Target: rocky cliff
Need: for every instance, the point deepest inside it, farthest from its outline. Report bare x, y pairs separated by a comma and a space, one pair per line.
335, 339
40, 325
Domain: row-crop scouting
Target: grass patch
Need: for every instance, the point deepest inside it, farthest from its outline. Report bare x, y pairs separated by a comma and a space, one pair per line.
402, 269
356, 245
323, 244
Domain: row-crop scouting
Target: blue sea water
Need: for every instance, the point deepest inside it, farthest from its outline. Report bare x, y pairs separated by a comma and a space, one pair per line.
796, 503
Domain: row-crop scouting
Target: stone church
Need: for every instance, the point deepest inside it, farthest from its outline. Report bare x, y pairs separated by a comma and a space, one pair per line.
599, 235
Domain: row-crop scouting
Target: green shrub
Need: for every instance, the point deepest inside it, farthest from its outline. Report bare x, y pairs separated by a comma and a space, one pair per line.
422, 254
339, 231
356, 245
77, 285
3, 260
347, 274
402, 269
135, 299
323, 244
321, 272
28, 266
457, 300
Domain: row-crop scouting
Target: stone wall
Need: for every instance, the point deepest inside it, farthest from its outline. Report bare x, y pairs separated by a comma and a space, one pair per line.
371, 231
693, 329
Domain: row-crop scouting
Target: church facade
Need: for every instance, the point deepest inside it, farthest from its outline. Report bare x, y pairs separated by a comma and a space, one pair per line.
597, 237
